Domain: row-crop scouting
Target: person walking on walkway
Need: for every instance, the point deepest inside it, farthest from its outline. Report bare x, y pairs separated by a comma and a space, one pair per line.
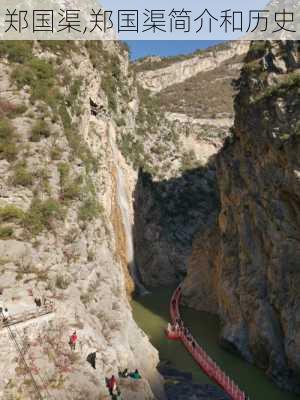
124, 373
135, 375
73, 340
5, 315
91, 358
38, 302
111, 385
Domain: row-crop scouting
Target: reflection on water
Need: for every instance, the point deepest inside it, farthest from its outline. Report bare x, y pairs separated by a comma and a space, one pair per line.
151, 312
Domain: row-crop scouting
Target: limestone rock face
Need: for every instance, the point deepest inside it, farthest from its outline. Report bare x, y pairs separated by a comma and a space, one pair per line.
251, 254
65, 222
160, 78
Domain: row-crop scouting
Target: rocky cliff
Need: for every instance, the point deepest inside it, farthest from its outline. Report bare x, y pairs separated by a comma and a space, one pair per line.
176, 194
245, 266
65, 221
105, 184
158, 74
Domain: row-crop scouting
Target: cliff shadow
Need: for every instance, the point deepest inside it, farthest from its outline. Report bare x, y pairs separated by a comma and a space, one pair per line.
167, 214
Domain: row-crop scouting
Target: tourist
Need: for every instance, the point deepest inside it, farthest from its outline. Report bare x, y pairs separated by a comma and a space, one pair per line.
5, 314
38, 302
135, 375
91, 358
124, 374
111, 385
170, 327
73, 340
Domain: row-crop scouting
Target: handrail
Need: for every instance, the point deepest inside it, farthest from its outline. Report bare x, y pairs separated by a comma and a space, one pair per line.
23, 317
19, 350
26, 316
208, 365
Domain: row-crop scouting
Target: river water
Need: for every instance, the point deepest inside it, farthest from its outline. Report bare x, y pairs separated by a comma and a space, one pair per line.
151, 313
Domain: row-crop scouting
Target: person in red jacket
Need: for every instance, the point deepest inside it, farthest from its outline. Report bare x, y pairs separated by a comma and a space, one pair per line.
73, 340
111, 384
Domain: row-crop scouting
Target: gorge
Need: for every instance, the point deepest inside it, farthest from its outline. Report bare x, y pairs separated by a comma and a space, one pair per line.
111, 183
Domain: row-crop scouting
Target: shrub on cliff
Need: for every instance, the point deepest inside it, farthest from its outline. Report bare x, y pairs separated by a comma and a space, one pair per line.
21, 175
16, 50
8, 148
62, 282
40, 130
10, 213
10, 110
90, 209
41, 213
40, 76
70, 189
59, 46
281, 89
6, 232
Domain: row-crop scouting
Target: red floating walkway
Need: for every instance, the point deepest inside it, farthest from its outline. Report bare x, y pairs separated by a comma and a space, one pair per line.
200, 356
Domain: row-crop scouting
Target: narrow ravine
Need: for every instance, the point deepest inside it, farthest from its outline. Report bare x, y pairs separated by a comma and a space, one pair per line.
151, 312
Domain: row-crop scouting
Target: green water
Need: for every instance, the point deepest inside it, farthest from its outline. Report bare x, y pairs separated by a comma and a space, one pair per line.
151, 312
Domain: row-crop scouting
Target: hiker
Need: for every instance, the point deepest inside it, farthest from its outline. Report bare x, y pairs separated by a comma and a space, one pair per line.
73, 340
189, 337
186, 332
135, 375
111, 384
5, 314
91, 358
38, 302
176, 326
124, 374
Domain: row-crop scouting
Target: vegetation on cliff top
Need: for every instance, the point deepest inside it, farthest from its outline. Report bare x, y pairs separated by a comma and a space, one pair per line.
148, 64
56, 95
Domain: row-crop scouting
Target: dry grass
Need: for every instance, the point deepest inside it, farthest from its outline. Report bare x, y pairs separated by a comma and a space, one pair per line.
204, 95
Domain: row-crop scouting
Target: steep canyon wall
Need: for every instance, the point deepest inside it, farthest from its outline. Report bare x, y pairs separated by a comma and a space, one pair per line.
246, 267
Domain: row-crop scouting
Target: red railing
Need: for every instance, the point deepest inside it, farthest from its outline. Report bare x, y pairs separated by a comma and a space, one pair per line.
201, 357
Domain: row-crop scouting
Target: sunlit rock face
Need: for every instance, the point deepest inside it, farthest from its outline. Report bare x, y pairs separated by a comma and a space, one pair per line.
245, 267
164, 76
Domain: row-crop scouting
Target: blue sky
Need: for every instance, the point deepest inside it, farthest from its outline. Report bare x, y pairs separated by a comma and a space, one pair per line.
142, 48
